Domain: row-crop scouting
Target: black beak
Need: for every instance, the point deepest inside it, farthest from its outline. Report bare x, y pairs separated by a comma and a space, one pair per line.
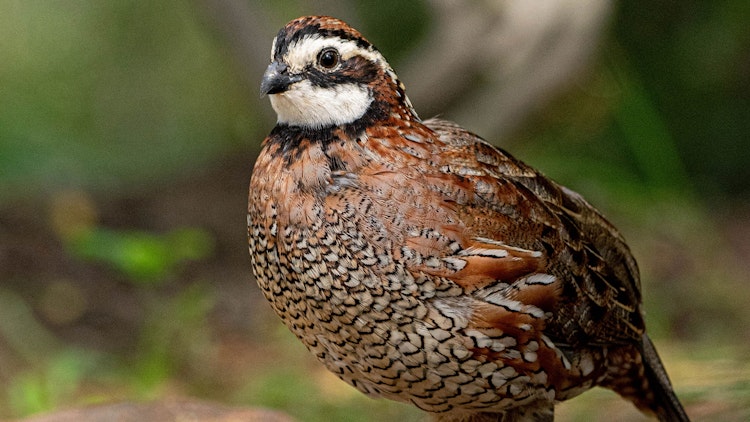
277, 79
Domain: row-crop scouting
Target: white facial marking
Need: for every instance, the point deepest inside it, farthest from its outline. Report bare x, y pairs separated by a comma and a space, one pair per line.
305, 51
305, 104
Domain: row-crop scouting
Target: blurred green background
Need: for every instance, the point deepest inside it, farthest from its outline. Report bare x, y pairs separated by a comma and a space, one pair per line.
128, 131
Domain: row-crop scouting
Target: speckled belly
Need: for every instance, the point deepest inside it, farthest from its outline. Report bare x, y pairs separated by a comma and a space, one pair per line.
387, 332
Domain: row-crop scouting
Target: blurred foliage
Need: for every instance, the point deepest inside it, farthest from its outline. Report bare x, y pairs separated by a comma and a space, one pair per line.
102, 102
111, 95
51, 384
694, 62
142, 256
175, 337
55, 372
669, 104
175, 334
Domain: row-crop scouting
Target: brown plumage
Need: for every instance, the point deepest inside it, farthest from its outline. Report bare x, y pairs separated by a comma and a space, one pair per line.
420, 263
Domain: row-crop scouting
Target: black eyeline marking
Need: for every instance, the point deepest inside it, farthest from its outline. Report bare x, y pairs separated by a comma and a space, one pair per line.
357, 70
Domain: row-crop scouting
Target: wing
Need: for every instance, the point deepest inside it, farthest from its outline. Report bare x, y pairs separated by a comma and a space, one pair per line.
520, 223
450, 205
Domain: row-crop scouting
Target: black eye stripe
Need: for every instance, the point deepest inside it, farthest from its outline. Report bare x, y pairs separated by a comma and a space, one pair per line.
356, 69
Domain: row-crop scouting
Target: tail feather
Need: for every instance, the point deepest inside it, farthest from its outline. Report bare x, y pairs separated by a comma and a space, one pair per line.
666, 405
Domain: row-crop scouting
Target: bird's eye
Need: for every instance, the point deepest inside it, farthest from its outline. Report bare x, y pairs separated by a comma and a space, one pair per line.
328, 58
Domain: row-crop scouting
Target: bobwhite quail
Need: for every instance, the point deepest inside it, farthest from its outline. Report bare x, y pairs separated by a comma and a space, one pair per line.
421, 264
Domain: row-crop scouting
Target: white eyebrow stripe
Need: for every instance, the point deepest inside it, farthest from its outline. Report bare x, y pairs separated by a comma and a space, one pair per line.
305, 51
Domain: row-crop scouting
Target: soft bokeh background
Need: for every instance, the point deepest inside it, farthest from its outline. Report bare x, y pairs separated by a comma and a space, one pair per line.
128, 130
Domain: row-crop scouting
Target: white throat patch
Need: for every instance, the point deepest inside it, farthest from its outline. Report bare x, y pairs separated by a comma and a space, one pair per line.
305, 104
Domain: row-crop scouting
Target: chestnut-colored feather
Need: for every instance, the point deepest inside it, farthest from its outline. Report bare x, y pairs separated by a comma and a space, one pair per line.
421, 264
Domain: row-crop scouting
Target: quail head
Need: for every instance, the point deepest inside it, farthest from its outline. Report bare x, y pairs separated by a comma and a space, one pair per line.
420, 263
